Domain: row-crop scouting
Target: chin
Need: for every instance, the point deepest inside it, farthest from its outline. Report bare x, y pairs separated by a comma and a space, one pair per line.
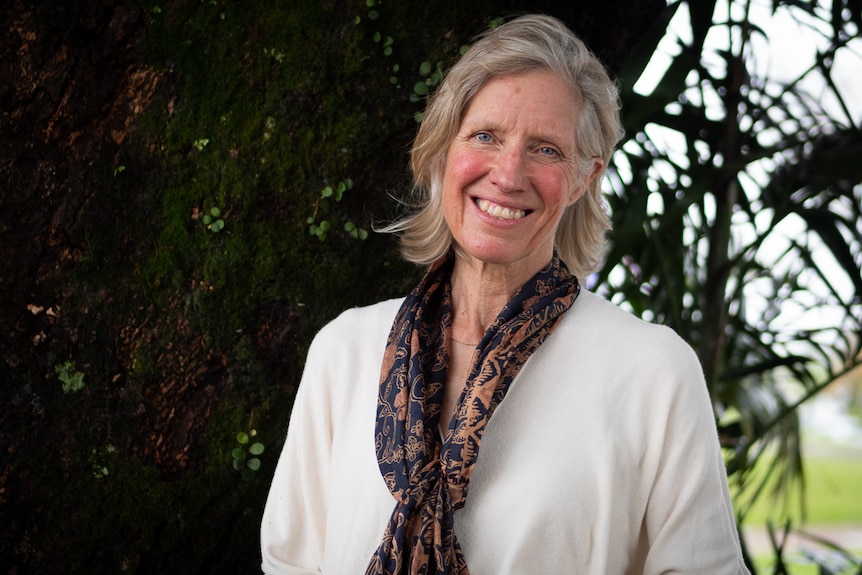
494, 255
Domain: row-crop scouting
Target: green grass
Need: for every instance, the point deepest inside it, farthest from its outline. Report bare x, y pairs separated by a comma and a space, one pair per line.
767, 565
831, 496
832, 488
834, 493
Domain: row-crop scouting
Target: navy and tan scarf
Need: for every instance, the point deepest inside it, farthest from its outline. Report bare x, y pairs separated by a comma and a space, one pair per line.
429, 478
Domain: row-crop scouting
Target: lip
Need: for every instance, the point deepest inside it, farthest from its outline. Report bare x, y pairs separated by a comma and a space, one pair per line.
499, 213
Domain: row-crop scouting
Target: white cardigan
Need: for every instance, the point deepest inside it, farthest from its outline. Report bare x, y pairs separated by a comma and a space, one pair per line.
602, 459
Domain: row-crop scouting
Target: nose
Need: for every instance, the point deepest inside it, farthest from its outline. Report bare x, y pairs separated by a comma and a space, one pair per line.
509, 171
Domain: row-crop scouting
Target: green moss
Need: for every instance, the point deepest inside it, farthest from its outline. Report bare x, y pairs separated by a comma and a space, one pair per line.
290, 97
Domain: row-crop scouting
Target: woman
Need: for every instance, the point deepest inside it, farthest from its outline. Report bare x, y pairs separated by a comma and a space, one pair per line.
601, 455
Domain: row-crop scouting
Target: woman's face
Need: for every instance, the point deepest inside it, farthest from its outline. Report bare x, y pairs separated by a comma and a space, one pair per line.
511, 171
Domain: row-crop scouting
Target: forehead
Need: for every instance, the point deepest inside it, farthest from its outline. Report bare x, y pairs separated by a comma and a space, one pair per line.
536, 98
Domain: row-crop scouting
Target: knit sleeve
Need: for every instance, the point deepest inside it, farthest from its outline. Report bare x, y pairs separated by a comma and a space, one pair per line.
293, 527
689, 521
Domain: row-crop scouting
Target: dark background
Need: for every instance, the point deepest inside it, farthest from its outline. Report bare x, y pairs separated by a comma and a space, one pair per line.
122, 125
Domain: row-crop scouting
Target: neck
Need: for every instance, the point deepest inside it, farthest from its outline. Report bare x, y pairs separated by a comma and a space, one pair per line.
479, 293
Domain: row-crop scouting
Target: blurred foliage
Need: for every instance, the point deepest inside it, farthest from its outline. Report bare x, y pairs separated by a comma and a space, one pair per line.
737, 208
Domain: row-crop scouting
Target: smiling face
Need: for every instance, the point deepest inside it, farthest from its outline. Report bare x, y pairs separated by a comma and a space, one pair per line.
511, 171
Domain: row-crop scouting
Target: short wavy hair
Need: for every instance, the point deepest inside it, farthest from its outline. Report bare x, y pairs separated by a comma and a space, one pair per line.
527, 43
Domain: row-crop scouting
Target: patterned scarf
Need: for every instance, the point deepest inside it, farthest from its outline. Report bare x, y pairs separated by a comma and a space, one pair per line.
427, 478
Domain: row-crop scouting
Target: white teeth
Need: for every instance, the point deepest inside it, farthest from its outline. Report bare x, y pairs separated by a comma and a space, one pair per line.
499, 211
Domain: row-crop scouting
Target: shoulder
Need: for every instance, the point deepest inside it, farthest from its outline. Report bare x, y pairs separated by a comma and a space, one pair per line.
608, 323
599, 337
345, 356
361, 324
357, 334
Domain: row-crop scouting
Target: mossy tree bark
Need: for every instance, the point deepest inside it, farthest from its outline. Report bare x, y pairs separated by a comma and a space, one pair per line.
123, 125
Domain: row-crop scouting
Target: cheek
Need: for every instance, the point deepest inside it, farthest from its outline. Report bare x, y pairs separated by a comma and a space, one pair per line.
462, 168
558, 189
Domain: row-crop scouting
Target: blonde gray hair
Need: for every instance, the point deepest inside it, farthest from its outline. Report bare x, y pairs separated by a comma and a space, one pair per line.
527, 43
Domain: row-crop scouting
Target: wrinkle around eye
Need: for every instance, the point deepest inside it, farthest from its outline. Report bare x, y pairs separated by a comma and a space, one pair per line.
549, 153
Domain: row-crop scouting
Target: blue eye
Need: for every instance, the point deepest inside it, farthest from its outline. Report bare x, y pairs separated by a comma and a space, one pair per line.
547, 151
483, 137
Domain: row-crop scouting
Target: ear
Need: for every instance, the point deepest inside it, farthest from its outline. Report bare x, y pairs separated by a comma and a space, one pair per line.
586, 179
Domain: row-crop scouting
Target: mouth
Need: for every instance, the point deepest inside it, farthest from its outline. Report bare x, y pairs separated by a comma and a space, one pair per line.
498, 211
